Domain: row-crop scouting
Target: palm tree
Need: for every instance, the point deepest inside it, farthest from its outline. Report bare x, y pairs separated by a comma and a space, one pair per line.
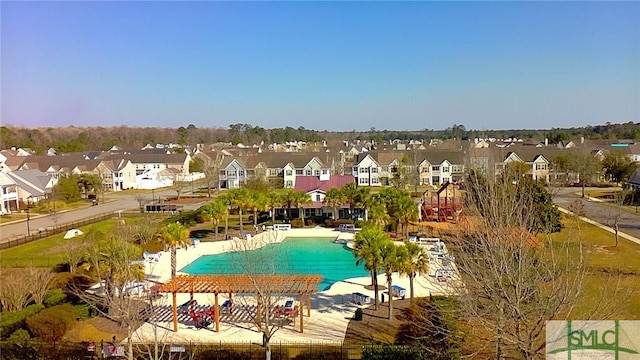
217, 210
174, 235
334, 198
357, 197
301, 198
274, 200
392, 257
379, 216
368, 243
226, 201
416, 262
350, 193
257, 201
406, 210
240, 199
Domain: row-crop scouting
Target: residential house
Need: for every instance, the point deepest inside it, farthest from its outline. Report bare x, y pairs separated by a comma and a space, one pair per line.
233, 173
8, 194
317, 188
32, 185
365, 170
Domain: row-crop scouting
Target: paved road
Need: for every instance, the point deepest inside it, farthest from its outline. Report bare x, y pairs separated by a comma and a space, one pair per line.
600, 212
113, 204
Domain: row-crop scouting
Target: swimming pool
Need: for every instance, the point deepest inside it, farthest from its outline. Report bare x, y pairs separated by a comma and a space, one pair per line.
335, 262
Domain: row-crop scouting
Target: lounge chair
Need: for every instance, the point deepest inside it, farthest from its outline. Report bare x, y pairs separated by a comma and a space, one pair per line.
188, 306
198, 320
226, 306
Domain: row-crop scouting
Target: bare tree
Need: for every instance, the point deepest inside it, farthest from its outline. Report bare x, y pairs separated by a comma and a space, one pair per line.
260, 261
73, 252
211, 164
179, 186
512, 282
615, 213
14, 290
39, 280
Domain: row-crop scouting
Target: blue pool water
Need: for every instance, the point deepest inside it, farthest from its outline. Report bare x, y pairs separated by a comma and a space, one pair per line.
335, 262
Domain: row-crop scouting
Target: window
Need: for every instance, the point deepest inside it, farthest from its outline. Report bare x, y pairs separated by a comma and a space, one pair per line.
299, 172
445, 169
456, 168
435, 180
425, 169
289, 183
309, 172
541, 166
318, 197
374, 170
375, 181
362, 180
289, 172
241, 173
325, 172
317, 172
232, 174
273, 172
223, 172
445, 179
435, 168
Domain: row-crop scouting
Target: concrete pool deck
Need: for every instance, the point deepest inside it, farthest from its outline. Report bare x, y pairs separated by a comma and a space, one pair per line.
331, 310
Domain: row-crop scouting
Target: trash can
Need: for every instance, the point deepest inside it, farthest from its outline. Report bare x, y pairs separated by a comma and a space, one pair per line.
358, 316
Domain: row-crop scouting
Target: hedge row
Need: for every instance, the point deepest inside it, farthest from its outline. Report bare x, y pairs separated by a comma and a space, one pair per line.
12, 321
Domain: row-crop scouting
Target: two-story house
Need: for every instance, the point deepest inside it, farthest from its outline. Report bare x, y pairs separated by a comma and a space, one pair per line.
366, 170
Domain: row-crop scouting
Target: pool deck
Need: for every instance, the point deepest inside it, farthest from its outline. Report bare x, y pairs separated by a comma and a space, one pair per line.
331, 309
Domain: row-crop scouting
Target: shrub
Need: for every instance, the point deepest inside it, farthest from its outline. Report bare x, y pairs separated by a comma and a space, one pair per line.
51, 324
187, 218
309, 222
19, 336
54, 297
329, 223
12, 321
339, 222
85, 311
297, 223
202, 218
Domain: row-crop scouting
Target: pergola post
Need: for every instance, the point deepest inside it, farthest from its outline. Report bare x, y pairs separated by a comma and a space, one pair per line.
230, 303
175, 312
216, 313
309, 304
301, 313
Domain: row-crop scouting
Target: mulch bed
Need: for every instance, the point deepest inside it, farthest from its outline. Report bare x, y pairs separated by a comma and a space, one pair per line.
375, 327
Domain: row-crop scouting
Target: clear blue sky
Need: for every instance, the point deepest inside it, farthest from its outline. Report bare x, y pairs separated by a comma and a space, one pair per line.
321, 65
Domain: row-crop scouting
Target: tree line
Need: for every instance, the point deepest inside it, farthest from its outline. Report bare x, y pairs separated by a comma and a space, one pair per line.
74, 139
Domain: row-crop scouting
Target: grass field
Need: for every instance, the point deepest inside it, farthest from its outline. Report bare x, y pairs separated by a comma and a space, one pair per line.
612, 283
47, 251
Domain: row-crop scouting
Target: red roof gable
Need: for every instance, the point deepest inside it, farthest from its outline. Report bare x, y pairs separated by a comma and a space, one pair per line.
309, 183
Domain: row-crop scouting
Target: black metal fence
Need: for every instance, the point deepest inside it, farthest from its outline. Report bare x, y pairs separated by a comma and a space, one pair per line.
53, 230
33, 349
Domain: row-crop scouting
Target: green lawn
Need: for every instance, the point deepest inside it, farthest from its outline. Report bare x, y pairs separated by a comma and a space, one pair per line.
47, 251
613, 272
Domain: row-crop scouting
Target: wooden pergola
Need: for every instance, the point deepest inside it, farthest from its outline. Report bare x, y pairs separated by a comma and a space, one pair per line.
303, 285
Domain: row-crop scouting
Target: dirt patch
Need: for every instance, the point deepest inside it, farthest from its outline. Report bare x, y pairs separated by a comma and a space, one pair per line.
186, 200
375, 327
96, 329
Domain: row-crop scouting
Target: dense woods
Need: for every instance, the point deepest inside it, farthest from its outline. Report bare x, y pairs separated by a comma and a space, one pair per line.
72, 139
